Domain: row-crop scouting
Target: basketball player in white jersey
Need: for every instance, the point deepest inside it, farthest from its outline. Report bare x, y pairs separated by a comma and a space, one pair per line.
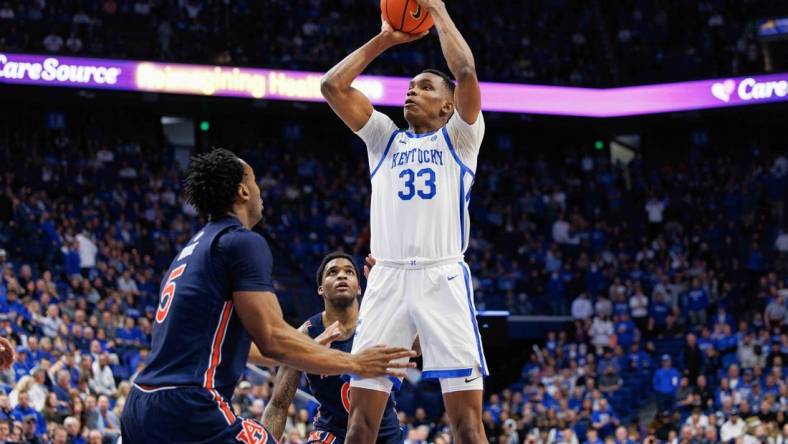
421, 180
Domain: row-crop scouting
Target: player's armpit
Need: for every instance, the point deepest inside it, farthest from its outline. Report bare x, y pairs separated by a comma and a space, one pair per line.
261, 316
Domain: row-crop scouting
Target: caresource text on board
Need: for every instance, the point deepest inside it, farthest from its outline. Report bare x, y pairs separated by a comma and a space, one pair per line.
271, 84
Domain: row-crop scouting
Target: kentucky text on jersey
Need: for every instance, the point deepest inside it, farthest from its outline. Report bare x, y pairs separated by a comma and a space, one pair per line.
417, 155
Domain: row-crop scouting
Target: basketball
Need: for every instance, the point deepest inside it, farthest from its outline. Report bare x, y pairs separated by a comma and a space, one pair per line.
406, 16
6, 354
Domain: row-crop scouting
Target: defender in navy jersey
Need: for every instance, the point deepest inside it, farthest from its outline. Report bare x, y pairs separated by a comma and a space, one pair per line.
338, 284
216, 298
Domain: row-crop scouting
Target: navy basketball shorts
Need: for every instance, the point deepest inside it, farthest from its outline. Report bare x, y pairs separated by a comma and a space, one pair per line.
186, 415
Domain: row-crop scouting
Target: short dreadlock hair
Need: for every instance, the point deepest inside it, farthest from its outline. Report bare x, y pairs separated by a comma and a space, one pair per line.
330, 257
445, 77
212, 181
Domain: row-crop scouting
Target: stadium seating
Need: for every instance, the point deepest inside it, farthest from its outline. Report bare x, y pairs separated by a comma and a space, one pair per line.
87, 223
570, 42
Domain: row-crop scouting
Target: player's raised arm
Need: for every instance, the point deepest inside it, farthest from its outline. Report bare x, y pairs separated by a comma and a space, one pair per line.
467, 97
350, 104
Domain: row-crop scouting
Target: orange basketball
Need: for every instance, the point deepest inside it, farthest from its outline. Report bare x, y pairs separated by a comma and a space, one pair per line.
406, 16
6, 354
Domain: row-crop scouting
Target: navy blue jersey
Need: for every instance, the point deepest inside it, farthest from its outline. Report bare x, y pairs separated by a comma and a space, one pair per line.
198, 339
332, 392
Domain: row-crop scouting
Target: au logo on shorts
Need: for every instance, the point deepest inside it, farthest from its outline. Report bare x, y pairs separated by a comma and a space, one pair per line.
252, 433
321, 437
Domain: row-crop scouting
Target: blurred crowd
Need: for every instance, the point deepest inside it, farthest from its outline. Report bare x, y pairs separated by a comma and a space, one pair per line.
707, 384
674, 274
572, 42
80, 277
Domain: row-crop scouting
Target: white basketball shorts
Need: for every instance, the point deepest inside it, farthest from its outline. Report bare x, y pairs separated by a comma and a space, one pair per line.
434, 301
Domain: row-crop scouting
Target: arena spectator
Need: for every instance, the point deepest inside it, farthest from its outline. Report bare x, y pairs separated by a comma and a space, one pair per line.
692, 357
733, 428
108, 423
53, 42
582, 308
665, 384
103, 382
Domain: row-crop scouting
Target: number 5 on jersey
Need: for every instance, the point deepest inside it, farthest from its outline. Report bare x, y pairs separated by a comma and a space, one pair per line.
168, 293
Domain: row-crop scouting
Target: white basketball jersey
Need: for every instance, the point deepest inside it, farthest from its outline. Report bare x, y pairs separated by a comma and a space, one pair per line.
421, 187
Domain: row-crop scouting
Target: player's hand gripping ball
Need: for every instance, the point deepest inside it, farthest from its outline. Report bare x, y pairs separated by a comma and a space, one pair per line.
6, 354
408, 16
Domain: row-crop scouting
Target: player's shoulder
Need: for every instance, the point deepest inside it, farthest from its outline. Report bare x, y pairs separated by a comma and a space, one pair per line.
314, 325
239, 239
241, 234
456, 120
382, 118
464, 139
377, 124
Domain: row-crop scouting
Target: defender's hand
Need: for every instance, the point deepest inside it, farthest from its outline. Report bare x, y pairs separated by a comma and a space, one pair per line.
369, 262
397, 37
379, 361
417, 346
329, 335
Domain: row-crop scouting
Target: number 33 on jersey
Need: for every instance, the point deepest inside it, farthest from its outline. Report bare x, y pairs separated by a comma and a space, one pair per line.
421, 187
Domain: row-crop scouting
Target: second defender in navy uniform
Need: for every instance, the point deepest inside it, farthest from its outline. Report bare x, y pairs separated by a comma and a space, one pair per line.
216, 298
338, 284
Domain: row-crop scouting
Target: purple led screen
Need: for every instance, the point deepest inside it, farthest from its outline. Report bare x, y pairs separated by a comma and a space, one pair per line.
272, 84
